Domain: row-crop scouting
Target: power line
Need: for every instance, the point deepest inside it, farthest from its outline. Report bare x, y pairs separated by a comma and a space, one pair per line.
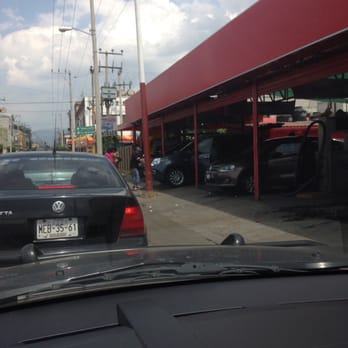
118, 17
85, 49
37, 102
61, 39
69, 46
40, 111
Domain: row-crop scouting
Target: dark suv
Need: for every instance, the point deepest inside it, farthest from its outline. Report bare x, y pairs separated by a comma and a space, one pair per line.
177, 168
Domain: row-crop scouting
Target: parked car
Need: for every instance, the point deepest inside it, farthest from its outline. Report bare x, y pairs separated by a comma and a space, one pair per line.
56, 203
279, 165
177, 168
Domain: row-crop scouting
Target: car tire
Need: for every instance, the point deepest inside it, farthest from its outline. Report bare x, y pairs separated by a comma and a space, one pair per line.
246, 183
175, 177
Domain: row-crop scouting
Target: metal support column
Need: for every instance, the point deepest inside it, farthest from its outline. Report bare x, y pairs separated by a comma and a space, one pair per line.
256, 142
195, 132
143, 96
163, 137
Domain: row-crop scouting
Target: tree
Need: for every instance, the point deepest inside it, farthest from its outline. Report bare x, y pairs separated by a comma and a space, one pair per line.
110, 141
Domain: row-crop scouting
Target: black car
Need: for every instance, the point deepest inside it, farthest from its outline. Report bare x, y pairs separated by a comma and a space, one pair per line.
177, 168
62, 202
280, 165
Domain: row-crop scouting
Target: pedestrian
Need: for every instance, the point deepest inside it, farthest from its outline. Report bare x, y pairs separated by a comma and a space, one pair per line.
110, 155
134, 166
117, 157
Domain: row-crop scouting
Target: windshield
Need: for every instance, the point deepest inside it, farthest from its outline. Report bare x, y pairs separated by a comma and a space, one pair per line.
228, 156
48, 171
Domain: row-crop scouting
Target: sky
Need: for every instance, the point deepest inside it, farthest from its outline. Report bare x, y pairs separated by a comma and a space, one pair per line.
36, 58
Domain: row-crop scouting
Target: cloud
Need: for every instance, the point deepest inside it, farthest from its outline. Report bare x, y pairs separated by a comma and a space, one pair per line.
26, 56
35, 56
12, 21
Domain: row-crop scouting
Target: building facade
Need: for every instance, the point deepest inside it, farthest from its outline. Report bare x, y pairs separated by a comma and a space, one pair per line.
13, 136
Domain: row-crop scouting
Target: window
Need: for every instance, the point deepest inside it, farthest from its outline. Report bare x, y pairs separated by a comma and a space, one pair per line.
205, 145
42, 172
285, 150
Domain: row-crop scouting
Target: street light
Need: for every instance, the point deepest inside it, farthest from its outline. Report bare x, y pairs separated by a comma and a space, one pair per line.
92, 33
64, 29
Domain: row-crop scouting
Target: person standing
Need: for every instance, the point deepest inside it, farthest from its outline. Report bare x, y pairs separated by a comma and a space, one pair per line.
117, 157
110, 155
134, 166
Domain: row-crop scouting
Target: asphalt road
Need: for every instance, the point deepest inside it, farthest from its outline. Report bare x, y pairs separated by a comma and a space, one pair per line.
188, 215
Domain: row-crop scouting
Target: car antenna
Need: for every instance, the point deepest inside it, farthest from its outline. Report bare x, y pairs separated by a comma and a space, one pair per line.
55, 137
54, 146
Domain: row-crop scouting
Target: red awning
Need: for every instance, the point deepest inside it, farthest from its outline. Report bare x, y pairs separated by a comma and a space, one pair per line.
266, 32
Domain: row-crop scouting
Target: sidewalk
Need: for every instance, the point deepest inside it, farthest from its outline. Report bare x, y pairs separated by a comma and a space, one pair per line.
188, 215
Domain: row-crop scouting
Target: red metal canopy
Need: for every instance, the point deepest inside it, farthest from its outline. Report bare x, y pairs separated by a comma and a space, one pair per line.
260, 39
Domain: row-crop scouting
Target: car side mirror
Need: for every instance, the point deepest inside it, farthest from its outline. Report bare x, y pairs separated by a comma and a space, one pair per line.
233, 239
28, 253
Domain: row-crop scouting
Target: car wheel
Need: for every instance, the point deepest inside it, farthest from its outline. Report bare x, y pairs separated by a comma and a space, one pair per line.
175, 177
246, 183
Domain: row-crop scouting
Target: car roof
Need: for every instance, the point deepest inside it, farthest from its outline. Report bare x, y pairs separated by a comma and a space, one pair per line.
28, 154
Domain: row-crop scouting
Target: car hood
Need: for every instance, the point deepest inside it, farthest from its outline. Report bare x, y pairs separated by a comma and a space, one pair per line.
172, 156
36, 274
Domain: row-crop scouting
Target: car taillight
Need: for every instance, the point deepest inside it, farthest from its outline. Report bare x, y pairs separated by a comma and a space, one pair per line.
133, 222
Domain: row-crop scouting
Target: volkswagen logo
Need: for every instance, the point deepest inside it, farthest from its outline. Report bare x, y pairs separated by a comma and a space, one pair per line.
58, 207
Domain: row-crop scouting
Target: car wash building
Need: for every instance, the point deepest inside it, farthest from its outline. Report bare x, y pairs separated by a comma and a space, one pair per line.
258, 65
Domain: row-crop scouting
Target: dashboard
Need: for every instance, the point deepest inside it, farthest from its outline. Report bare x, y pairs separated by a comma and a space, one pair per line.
295, 311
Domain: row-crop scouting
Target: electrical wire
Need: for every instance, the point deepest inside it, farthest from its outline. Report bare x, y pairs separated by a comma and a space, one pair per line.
85, 49
70, 39
61, 39
36, 102
117, 18
61, 90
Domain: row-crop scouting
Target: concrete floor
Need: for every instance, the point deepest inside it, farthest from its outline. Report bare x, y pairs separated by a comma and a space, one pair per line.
188, 215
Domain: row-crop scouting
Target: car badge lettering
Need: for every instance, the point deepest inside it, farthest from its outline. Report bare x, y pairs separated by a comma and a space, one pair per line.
58, 207
6, 213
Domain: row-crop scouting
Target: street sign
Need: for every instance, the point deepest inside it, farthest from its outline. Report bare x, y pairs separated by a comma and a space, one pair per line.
108, 93
85, 130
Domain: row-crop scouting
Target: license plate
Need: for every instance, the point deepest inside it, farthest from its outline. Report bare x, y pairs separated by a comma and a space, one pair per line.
57, 228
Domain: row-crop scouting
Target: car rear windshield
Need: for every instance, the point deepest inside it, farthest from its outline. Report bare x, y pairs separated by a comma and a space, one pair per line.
59, 172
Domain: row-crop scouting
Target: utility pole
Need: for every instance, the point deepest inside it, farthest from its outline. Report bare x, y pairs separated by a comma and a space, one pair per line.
98, 116
91, 69
120, 95
61, 130
108, 101
59, 73
106, 66
143, 97
11, 131
121, 87
72, 117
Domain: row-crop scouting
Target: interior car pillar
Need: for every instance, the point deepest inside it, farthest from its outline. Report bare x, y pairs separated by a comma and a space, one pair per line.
256, 142
195, 132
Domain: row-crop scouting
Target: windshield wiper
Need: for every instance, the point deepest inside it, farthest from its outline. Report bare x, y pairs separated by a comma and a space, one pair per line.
141, 274
177, 269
